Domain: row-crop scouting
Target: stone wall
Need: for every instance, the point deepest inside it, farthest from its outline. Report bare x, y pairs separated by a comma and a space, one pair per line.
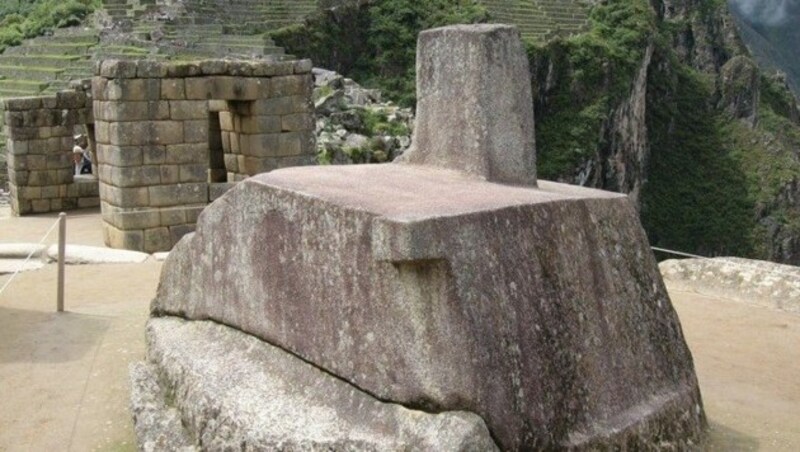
172, 137
39, 152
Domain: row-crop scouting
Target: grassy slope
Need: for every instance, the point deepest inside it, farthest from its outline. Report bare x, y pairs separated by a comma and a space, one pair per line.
21, 19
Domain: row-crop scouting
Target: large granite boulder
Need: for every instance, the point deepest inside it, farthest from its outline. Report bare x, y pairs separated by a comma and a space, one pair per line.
536, 306
235, 392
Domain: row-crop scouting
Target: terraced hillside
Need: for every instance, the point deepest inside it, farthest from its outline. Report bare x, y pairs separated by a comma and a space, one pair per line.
539, 20
201, 29
248, 16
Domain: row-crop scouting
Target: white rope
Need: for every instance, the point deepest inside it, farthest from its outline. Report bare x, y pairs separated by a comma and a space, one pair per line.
22, 264
741, 264
134, 212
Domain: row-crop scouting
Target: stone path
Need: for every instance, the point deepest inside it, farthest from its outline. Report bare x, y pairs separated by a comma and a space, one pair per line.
63, 377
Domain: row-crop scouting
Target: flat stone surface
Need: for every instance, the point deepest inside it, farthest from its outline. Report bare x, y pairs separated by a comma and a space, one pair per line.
82, 254
21, 250
162, 256
541, 310
238, 392
409, 193
14, 265
762, 283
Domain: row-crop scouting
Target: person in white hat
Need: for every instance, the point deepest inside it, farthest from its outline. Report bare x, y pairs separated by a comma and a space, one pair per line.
80, 158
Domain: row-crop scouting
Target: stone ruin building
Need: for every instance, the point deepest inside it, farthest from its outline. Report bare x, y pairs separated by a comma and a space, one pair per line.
450, 301
168, 138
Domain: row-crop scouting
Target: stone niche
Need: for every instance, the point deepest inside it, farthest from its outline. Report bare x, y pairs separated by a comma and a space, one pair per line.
171, 137
451, 301
39, 151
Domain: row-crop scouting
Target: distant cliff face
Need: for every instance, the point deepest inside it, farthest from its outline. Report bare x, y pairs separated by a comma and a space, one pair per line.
662, 100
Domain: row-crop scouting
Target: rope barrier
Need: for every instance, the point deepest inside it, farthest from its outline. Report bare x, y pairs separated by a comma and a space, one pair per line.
741, 264
22, 264
134, 212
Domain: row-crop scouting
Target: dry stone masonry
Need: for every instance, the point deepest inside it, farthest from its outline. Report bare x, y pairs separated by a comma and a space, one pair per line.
170, 138
177, 135
39, 151
528, 315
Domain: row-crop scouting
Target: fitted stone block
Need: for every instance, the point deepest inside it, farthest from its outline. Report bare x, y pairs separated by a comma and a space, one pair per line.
188, 109
187, 153
259, 124
22, 103
130, 218
276, 106
134, 176
173, 89
261, 145
128, 239
157, 239
127, 197
196, 131
298, 122
120, 156
174, 195
118, 68
143, 89
193, 173
172, 217
146, 133
154, 155
170, 174
121, 111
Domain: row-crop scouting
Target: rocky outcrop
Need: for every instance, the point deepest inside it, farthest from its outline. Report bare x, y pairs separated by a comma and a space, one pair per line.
754, 282
705, 37
740, 89
236, 392
354, 125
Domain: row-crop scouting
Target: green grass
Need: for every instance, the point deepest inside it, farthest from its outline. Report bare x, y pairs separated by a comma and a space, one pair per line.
27, 19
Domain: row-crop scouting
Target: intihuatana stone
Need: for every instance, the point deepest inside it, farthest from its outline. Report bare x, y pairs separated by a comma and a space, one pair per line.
453, 282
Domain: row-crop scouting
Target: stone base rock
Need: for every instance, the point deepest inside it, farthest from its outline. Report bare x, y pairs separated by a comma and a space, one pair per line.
233, 391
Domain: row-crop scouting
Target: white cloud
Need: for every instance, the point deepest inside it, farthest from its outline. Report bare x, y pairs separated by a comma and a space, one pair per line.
767, 12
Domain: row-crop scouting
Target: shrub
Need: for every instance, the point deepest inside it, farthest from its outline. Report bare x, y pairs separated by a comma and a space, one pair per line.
22, 20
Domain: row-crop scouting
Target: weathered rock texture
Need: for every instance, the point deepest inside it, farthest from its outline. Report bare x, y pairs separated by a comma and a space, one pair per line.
474, 109
174, 136
539, 309
755, 282
39, 152
236, 392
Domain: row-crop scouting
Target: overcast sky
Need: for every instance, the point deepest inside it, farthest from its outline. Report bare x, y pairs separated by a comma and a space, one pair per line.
768, 12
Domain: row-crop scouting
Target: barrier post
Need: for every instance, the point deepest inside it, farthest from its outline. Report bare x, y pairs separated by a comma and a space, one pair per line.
62, 245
